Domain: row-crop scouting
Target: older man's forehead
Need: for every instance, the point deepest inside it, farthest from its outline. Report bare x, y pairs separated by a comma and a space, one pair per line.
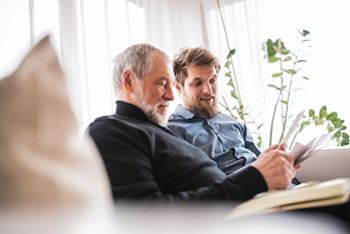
171, 73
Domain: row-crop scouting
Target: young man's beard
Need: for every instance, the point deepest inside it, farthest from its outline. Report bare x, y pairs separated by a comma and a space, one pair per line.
204, 112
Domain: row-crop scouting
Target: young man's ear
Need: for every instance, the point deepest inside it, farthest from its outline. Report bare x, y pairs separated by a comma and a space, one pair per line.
128, 81
178, 87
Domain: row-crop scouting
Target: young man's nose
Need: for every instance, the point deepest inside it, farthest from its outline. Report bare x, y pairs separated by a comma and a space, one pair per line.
207, 88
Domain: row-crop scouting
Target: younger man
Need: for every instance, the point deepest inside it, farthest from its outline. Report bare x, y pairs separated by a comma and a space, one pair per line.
198, 120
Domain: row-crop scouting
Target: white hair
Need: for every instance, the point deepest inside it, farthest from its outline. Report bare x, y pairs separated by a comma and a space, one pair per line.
138, 58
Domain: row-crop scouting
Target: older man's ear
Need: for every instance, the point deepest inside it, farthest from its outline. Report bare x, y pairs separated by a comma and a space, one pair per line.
128, 81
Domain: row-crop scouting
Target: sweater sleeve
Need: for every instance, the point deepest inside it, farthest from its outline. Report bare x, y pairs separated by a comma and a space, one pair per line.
132, 174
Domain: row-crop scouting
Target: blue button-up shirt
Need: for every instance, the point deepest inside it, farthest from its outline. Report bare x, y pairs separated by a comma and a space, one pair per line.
222, 138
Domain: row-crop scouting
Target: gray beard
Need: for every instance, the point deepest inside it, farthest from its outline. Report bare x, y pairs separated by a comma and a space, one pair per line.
150, 111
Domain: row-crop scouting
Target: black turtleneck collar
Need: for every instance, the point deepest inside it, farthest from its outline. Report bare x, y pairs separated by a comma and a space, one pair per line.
130, 110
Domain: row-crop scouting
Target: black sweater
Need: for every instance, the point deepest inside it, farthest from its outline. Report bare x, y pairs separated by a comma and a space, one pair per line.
147, 161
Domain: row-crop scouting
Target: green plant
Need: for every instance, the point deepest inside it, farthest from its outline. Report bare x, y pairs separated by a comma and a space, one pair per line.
288, 73
288, 66
333, 124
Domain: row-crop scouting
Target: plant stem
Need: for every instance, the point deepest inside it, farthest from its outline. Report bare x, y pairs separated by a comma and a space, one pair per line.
284, 123
279, 98
226, 106
253, 122
273, 120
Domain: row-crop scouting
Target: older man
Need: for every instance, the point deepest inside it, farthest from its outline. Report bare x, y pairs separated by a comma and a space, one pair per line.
145, 160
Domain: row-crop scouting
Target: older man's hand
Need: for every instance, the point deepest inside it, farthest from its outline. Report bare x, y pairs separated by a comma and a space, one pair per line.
276, 166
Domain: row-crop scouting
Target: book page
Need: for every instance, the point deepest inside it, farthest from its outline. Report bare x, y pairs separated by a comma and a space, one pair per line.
308, 196
302, 152
293, 128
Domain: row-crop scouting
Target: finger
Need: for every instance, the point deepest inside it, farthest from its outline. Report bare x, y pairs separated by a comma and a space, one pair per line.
297, 166
282, 146
273, 147
287, 156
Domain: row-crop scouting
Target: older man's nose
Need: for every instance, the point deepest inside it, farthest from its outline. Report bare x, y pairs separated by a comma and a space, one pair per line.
169, 94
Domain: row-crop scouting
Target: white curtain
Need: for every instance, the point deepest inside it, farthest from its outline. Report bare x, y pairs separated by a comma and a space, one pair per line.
93, 32
171, 25
89, 33
241, 19
85, 56
22, 23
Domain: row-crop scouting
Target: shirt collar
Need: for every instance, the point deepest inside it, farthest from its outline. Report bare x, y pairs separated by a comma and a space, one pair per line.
183, 112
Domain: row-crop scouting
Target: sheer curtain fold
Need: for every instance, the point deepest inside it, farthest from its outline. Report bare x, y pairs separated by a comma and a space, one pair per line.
86, 58
22, 24
171, 25
241, 18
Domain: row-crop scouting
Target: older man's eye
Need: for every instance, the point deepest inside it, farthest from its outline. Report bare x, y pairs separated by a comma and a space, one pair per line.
162, 83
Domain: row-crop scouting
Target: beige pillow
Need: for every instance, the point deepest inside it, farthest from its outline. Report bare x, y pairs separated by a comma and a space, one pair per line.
43, 160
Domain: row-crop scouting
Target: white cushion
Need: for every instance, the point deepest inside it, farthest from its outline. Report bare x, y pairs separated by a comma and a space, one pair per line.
43, 160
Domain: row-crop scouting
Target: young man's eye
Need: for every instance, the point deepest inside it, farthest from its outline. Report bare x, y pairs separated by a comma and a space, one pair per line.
197, 83
212, 81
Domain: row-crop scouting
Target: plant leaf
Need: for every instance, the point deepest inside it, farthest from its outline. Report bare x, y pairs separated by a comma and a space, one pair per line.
233, 94
332, 116
305, 32
284, 102
270, 48
231, 53
291, 71
288, 58
330, 128
323, 112
285, 51
273, 59
311, 113
274, 86
278, 74
337, 123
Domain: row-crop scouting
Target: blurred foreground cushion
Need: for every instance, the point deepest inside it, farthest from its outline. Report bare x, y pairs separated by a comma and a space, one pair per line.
43, 160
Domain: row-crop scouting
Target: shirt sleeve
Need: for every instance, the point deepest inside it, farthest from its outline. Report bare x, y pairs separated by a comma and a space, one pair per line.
249, 142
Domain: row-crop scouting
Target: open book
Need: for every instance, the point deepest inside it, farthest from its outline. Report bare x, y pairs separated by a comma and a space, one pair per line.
310, 195
300, 151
